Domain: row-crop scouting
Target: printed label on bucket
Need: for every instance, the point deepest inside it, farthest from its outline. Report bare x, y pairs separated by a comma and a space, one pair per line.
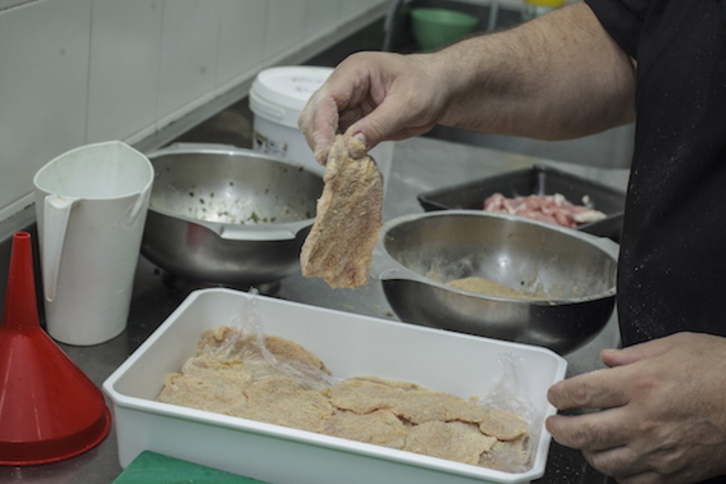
270, 146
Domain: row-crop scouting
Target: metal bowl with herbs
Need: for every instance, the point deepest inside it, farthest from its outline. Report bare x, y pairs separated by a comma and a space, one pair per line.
222, 214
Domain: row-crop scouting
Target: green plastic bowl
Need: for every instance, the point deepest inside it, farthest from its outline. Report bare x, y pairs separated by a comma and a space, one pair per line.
434, 28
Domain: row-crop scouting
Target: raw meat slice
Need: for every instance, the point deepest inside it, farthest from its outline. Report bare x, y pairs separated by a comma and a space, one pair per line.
283, 401
554, 209
349, 217
207, 384
380, 427
362, 396
502, 424
457, 441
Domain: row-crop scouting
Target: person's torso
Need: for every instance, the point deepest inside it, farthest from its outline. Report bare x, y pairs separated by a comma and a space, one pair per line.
672, 274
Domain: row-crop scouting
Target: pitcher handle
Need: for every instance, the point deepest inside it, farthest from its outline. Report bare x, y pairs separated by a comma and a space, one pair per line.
56, 211
138, 208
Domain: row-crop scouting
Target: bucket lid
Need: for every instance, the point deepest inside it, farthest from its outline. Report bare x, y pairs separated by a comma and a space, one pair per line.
280, 93
49, 409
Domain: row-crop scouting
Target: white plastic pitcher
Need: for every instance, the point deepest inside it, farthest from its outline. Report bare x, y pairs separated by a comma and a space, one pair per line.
91, 205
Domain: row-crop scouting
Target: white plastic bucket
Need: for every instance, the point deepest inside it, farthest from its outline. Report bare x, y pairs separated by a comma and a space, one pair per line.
277, 97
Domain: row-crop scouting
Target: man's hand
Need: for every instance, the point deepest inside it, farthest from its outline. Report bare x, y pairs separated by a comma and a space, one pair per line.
663, 411
374, 97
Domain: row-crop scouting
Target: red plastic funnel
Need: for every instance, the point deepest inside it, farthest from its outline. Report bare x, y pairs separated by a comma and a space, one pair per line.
49, 409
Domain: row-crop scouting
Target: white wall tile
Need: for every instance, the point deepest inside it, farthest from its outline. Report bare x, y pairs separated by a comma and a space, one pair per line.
353, 8
350, 8
241, 37
285, 26
188, 54
124, 67
321, 17
43, 88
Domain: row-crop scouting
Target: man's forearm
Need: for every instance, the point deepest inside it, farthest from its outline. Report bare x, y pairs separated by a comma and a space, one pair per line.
557, 77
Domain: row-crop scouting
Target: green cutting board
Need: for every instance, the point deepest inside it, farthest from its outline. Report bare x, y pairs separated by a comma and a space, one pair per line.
152, 468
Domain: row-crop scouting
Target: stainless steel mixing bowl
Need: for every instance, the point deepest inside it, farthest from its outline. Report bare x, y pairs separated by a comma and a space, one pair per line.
228, 215
418, 254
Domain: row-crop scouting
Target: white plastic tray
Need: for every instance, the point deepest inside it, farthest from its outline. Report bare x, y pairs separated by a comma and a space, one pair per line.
350, 345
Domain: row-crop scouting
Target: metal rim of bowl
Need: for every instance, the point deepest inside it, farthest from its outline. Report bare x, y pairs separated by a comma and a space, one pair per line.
286, 229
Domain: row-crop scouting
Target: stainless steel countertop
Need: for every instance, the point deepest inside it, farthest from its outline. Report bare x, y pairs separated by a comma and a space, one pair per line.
419, 165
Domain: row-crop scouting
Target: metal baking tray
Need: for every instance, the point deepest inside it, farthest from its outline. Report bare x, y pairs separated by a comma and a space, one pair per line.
350, 345
538, 180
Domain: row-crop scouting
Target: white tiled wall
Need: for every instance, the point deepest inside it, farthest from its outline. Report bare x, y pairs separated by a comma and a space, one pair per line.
81, 71
124, 67
43, 88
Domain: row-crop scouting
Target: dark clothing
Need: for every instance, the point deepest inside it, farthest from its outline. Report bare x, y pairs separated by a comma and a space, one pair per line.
672, 273
672, 269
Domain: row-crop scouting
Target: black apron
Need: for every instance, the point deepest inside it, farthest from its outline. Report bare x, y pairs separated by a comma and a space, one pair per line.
672, 272
672, 267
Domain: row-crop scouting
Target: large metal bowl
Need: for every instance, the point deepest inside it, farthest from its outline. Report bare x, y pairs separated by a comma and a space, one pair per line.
228, 215
418, 254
